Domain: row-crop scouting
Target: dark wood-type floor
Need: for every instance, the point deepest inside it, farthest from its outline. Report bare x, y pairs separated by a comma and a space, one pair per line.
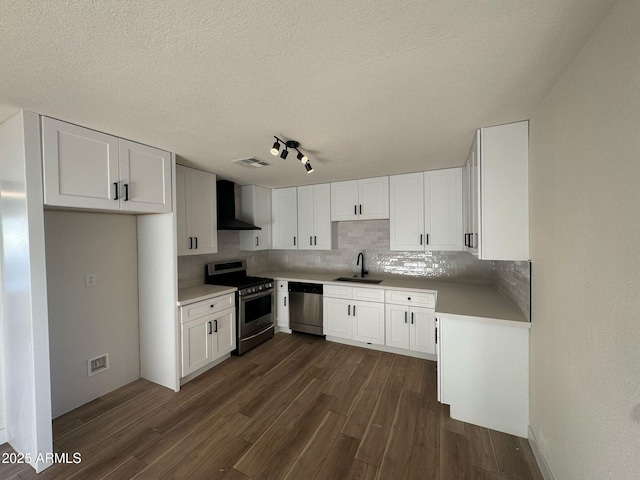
296, 407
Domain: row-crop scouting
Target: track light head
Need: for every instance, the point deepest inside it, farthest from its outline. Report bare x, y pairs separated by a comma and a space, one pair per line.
308, 167
276, 148
284, 154
302, 158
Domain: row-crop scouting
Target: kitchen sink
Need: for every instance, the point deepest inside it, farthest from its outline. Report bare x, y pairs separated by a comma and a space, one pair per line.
358, 280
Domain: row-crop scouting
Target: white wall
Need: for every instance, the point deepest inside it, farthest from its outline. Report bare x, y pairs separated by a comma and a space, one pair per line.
585, 250
85, 322
24, 295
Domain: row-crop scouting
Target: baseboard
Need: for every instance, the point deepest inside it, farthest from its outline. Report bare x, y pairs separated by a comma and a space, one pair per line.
542, 463
4, 438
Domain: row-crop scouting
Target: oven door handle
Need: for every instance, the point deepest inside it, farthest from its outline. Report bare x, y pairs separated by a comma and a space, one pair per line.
264, 293
257, 334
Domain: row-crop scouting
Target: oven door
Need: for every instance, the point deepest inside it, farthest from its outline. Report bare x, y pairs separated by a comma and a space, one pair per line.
255, 313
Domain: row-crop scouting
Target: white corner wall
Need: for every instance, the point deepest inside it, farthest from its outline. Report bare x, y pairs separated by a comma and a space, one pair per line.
585, 232
85, 322
24, 293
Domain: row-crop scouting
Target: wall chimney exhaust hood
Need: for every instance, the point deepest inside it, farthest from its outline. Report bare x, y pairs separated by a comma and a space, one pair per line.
226, 196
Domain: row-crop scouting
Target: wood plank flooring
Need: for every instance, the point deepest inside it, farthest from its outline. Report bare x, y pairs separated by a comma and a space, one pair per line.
296, 407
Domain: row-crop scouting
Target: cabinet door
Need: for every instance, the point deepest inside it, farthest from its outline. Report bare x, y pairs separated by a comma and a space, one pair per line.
474, 196
443, 209
305, 218
203, 220
373, 198
145, 175
256, 209
322, 217
368, 322
397, 326
422, 330
344, 201
282, 309
197, 344
337, 317
284, 214
406, 214
225, 332
80, 167
182, 234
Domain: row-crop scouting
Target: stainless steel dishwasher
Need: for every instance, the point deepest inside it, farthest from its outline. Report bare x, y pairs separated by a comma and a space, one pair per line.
305, 307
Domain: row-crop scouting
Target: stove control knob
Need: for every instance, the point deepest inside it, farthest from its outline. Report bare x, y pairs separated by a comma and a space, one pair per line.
269, 285
250, 290
260, 288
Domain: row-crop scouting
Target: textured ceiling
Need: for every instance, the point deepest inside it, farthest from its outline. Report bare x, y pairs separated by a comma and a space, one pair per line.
368, 87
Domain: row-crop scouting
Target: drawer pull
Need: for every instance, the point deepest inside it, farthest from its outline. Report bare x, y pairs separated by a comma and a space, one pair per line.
408, 298
213, 305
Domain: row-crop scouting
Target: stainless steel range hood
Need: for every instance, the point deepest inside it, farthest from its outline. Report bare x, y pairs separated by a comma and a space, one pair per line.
226, 195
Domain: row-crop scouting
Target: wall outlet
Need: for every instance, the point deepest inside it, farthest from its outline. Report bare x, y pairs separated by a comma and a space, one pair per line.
97, 364
90, 280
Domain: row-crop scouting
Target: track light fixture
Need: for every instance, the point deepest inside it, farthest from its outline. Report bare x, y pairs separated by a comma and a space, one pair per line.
293, 145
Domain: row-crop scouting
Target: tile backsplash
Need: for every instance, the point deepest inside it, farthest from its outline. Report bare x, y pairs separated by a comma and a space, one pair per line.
513, 280
371, 237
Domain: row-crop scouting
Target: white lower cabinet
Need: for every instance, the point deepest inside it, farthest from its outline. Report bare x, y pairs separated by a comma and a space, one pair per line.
483, 371
354, 320
207, 337
282, 307
410, 328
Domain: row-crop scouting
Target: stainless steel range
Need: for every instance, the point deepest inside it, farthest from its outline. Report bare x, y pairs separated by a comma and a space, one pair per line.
254, 302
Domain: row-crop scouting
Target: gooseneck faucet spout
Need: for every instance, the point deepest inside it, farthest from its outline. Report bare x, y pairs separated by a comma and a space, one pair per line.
363, 272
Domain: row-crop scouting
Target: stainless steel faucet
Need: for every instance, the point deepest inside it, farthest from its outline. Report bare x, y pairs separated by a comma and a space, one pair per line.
363, 272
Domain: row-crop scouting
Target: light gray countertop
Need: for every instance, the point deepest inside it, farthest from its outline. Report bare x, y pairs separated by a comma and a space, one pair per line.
482, 301
201, 292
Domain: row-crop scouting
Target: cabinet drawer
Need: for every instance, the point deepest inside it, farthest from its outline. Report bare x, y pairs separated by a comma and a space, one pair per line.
369, 294
337, 291
400, 297
205, 307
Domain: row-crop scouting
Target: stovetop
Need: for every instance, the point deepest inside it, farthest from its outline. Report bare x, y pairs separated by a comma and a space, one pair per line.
234, 274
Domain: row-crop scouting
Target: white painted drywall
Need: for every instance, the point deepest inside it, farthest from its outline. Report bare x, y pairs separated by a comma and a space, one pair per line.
24, 290
86, 322
585, 226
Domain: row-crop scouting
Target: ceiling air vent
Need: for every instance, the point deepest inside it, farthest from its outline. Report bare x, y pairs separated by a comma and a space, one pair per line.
252, 162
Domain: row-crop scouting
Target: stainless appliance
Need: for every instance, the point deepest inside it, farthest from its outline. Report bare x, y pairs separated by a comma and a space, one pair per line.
254, 302
226, 206
305, 307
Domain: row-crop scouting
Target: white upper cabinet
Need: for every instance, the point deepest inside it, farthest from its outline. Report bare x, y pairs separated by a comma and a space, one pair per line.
92, 170
284, 218
426, 210
497, 182
196, 211
406, 212
443, 209
256, 209
145, 174
366, 199
314, 217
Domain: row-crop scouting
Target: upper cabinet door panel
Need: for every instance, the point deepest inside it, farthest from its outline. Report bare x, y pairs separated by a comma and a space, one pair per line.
305, 218
182, 222
145, 173
285, 218
80, 166
443, 209
202, 205
344, 201
322, 216
373, 198
406, 215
